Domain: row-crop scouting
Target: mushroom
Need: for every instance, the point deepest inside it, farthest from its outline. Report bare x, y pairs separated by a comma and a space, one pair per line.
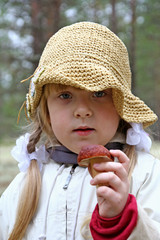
91, 154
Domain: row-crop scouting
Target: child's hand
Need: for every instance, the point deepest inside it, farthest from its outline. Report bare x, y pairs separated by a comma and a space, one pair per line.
113, 189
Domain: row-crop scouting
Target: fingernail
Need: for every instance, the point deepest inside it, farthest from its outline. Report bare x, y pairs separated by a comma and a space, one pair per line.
112, 150
96, 165
92, 181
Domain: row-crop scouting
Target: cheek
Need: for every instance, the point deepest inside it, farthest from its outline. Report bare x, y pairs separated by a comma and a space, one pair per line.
109, 118
58, 121
56, 127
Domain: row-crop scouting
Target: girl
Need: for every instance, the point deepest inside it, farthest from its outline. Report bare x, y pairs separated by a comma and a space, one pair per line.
80, 94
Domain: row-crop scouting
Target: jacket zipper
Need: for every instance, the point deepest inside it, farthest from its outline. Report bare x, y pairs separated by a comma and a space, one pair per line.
69, 176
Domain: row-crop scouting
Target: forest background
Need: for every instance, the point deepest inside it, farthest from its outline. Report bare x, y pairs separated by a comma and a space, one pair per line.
26, 26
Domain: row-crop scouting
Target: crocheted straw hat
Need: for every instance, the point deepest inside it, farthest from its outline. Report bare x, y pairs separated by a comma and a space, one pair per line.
89, 56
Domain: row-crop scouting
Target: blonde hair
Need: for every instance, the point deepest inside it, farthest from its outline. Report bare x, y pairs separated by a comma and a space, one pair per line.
30, 194
29, 198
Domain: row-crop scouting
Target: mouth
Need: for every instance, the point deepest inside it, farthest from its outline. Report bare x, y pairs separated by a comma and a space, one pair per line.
84, 131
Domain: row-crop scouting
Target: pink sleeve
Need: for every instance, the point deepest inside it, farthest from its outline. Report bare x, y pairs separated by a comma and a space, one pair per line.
116, 228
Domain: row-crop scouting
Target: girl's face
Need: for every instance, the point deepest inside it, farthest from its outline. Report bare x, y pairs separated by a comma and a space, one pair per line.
80, 117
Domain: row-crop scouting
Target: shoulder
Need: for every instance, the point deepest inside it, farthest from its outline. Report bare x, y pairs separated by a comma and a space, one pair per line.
15, 186
146, 162
14, 189
10, 197
146, 172
9, 200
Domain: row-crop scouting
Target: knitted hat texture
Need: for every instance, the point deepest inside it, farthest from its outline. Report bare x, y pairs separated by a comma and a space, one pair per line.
89, 56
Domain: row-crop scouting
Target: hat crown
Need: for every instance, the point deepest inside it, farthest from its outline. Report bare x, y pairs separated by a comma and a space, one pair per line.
88, 43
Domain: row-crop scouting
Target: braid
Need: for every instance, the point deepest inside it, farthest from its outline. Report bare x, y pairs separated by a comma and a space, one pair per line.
34, 138
29, 198
30, 195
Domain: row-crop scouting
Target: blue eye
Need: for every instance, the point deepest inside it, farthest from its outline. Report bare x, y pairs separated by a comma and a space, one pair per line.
99, 94
65, 96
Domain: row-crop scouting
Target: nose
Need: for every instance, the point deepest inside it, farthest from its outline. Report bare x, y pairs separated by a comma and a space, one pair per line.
82, 110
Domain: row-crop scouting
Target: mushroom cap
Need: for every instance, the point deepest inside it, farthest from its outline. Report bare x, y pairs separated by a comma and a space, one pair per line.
89, 152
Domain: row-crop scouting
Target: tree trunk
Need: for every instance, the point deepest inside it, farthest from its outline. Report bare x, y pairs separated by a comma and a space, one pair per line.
133, 44
45, 17
36, 16
156, 83
52, 16
113, 17
95, 9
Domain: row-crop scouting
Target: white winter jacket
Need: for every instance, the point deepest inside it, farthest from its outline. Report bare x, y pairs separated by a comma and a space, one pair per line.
61, 212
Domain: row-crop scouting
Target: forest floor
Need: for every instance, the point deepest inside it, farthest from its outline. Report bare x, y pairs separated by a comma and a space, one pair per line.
9, 166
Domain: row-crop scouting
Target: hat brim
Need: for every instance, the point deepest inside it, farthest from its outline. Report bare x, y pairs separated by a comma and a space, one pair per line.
92, 77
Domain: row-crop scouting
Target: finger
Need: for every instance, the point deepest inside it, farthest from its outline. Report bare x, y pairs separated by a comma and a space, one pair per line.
108, 179
114, 167
106, 193
122, 157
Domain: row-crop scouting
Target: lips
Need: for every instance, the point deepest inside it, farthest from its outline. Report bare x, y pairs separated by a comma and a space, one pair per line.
84, 131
